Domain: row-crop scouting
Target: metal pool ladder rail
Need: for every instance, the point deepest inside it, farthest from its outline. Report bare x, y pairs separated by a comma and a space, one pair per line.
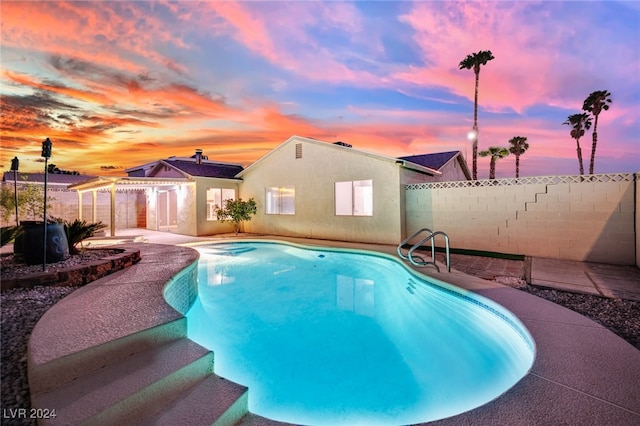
419, 261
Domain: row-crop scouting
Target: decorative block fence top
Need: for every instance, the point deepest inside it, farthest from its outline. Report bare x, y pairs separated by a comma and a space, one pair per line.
545, 180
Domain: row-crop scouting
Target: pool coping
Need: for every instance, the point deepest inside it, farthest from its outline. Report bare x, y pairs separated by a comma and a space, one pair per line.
583, 373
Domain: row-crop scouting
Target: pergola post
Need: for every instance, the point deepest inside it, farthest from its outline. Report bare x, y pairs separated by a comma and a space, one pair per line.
113, 209
94, 206
79, 205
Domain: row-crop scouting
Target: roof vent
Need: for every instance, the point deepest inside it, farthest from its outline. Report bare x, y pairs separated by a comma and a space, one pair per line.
347, 145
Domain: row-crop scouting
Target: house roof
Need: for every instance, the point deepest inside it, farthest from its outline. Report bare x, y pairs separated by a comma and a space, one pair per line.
52, 178
206, 169
433, 161
438, 160
343, 146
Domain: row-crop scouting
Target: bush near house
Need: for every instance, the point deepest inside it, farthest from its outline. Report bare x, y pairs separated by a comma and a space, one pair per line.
236, 212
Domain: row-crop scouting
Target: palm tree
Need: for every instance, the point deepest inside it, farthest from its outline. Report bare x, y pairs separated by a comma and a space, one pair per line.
518, 147
580, 123
496, 153
595, 103
473, 61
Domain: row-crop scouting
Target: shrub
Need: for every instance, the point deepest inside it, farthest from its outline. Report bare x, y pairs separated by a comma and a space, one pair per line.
236, 212
79, 230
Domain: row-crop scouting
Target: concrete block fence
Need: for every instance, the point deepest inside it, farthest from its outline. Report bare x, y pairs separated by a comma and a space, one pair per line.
591, 218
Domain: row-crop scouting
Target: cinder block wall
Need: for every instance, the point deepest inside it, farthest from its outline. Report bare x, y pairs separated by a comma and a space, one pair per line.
578, 220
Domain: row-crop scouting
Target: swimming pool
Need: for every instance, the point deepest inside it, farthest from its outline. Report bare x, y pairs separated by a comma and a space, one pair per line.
328, 336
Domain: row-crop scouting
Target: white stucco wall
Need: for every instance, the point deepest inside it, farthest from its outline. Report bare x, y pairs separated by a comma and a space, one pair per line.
314, 176
586, 221
187, 214
199, 205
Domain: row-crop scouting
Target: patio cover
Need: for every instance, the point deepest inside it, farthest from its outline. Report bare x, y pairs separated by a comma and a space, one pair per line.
115, 184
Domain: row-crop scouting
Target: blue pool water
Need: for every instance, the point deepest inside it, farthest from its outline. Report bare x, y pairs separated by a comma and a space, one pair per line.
325, 337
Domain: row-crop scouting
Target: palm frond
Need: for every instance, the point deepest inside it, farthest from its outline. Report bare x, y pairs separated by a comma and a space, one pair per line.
80, 230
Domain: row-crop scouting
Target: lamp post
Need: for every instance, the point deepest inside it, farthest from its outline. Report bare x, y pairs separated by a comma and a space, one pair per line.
15, 164
46, 153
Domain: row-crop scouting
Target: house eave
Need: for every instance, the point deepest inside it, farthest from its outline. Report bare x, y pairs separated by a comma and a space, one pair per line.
418, 168
103, 183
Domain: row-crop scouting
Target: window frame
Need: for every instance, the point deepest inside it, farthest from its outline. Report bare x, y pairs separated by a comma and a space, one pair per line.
353, 198
212, 204
279, 197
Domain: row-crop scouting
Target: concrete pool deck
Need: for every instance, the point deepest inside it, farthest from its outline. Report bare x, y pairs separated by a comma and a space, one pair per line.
583, 373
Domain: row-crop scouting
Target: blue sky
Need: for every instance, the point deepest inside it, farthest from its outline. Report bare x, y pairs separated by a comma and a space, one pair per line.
117, 84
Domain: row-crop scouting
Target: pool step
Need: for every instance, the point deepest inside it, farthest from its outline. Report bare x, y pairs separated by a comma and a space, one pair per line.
251, 419
212, 401
130, 389
48, 375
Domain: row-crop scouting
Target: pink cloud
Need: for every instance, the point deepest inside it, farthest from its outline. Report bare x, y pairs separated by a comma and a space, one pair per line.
279, 33
90, 31
535, 62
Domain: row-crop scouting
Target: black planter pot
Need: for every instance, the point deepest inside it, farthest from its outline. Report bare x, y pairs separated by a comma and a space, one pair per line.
30, 247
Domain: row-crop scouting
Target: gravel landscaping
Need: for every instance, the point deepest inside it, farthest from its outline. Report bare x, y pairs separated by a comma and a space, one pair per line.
22, 308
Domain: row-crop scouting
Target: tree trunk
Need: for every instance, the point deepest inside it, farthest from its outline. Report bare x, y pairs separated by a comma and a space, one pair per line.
517, 166
475, 159
579, 156
492, 168
475, 125
593, 145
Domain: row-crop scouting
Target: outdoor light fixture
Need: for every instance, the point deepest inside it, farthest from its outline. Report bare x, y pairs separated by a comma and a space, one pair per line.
472, 135
15, 165
46, 153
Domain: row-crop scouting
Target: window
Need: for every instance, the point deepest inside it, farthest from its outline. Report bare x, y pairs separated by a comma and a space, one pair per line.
215, 199
354, 198
281, 200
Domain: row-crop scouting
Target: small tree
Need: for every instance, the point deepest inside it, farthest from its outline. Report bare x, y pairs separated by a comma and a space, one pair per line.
517, 146
595, 103
236, 212
579, 124
30, 202
496, 153
7, 203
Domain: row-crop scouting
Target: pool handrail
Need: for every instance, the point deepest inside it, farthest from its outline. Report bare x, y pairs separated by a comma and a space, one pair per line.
420, 261
406, 240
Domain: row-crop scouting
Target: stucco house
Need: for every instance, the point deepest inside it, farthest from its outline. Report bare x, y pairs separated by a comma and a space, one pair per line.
208, 184
303, 187
180, 193
315, 189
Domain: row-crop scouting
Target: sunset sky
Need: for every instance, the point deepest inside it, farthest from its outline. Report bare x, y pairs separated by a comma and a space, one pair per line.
118, 84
